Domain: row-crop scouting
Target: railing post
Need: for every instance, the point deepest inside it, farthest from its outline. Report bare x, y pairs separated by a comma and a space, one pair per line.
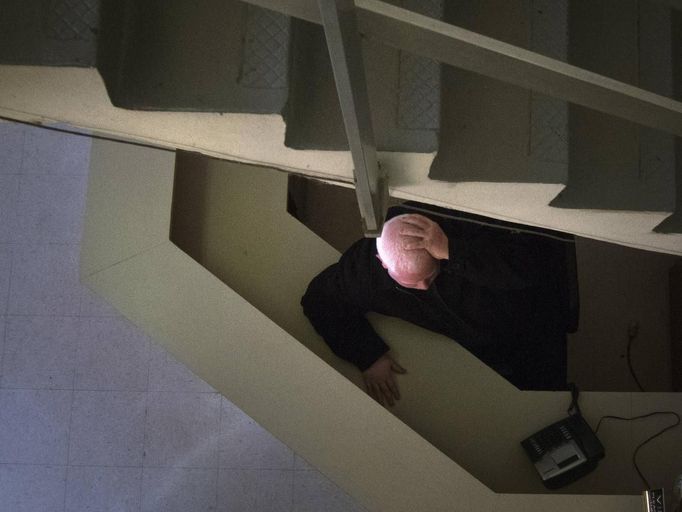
345, 50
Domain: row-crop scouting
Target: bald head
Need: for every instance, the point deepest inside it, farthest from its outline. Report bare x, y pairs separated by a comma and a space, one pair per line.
414, 268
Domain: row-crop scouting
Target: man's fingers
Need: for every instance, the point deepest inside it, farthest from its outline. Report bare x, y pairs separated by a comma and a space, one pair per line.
393, 387
417, 220
369, 387
379, 381
377, 394
397, 368
420, 223
409, 246
426, 227
388, 394
415, 231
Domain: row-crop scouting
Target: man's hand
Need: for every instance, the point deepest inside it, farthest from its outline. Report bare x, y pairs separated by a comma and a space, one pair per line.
379, 380
426, 234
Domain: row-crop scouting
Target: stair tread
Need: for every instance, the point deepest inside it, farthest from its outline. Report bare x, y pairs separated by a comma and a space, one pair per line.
403, 90
217, 56
616, 164
39, 33
486, 133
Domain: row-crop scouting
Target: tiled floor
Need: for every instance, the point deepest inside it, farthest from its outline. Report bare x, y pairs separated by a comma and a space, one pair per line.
93, 415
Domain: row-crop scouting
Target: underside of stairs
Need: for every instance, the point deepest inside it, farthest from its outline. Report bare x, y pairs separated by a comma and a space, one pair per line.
233, 57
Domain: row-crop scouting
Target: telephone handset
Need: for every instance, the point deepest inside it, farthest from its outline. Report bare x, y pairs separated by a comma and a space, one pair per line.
565, 450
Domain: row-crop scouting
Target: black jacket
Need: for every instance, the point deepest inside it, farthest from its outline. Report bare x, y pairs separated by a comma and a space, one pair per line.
499, 296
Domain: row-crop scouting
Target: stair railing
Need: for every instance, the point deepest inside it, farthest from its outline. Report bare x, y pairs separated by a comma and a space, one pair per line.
449, 44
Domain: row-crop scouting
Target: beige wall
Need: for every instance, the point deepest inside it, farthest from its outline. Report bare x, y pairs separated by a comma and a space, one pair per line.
232, 218
374, 455
619, 286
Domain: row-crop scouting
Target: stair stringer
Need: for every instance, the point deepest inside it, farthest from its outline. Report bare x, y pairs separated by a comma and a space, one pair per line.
284, 386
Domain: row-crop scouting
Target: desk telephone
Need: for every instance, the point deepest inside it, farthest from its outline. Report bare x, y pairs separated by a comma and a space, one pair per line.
565, 450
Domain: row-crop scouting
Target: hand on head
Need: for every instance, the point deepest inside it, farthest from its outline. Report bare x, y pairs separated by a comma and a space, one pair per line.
422, 233
409, 249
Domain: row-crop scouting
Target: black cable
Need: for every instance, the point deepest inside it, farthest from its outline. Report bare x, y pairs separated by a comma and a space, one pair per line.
89, 135
632, 334
574, 408
650, 438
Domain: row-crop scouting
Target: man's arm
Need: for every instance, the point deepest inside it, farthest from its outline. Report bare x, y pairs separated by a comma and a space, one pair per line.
497, 259
337, 316
336, 302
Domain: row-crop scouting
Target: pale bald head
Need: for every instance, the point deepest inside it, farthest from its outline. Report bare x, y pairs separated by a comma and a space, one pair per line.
414, 268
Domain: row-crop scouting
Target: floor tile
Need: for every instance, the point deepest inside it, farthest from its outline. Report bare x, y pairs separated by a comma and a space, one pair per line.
50, 209
27, 488
45, 280
111, 354
167, 374
107, 428
34, 426
179, 490
254, 490
314, 492
3, 323
94, 305
244, 444
182, 430
11, 147
53, 152
9, 192
5, 271
100, 489
39, 352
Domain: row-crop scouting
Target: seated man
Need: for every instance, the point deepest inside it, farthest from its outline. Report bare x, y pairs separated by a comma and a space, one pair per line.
491, 288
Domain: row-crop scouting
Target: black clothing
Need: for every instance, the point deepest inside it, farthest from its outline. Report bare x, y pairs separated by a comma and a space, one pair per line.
499, 296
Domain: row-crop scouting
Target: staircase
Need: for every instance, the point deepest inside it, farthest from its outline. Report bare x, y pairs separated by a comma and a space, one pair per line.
233, 57
637, 48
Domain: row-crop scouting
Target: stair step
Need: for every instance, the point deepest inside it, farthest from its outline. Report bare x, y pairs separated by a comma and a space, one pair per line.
616, 164
486, 133
215, 55
166, 55
313, 115
548, 148
404, 93
55, 33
